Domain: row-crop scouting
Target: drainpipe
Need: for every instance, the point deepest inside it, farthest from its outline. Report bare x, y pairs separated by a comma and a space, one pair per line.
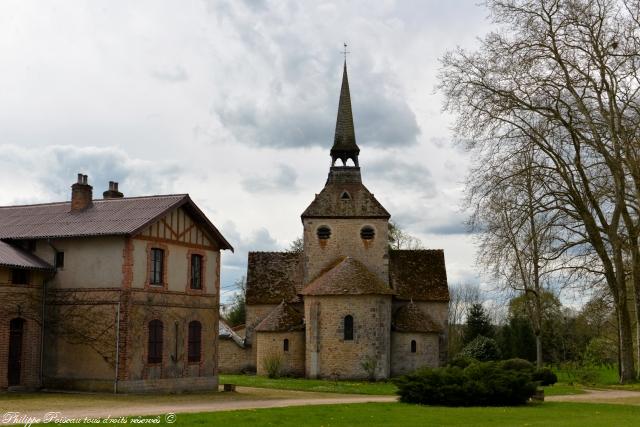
44, 311
115, 381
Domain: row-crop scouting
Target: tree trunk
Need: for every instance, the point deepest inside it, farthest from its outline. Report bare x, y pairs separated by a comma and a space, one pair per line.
627, 371
538, 350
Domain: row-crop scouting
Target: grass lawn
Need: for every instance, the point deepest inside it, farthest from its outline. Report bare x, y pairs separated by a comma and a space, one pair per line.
398, 414
302, 384
594, 377
561, 389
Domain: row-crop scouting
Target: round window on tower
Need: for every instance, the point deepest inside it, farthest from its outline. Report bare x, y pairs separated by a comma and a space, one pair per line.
367, 233
324, 232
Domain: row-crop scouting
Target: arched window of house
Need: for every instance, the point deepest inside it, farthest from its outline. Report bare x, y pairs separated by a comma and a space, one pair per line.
348, 328
285, 344
413, 346
195, 341
155, 342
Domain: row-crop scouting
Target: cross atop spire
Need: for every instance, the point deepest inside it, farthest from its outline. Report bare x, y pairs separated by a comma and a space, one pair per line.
345, 53
344, 143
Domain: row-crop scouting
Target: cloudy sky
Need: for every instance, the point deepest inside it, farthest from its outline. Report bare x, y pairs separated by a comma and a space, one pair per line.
234, 103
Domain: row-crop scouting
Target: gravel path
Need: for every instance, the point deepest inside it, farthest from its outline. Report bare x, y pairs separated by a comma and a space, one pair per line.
624, 397
244, 398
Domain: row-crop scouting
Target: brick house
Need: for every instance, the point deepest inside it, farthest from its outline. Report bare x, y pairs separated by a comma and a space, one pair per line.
114, 294
346, 306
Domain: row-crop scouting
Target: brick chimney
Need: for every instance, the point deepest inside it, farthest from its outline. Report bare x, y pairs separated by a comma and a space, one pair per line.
112, 192
81, 194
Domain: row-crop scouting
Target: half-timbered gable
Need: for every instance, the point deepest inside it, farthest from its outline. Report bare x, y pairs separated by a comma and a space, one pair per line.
180, 228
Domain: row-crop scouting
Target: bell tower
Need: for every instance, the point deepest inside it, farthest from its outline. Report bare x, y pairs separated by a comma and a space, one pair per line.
345, 219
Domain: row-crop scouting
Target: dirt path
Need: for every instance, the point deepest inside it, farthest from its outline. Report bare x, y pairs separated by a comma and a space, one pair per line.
244, 398
623, 397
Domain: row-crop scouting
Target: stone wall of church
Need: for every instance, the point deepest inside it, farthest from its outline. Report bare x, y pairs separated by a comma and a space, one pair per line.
255, 314
345, 240
404, 361
271, 345
439, 312
328, 355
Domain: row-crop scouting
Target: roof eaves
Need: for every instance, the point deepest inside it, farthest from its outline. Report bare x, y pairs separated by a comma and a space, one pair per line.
212, 228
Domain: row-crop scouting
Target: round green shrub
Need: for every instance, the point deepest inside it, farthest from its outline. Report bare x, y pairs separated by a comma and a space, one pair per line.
518, 364
545, 376
461, 361
479, 384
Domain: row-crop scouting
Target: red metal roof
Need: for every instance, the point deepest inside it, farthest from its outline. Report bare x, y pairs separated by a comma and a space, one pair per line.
122, 216
10, 256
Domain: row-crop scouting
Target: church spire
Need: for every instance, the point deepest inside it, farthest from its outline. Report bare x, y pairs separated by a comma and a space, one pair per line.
344, 143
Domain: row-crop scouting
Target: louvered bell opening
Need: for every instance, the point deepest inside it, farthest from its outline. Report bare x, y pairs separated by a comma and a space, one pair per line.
324, 233
367, 233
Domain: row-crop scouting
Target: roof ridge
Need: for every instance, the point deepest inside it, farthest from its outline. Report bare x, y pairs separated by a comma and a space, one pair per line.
96, 200
416, 250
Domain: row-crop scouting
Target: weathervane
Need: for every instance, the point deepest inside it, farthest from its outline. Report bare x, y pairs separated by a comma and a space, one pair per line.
345, 52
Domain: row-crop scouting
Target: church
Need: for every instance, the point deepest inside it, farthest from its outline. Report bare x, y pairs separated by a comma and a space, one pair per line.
347, 306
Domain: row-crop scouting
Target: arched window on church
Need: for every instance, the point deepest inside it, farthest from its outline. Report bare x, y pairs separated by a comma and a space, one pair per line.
413, 346
285, 344
348, 328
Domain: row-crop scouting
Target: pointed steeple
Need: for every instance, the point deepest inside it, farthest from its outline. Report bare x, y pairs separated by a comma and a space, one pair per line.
344, 143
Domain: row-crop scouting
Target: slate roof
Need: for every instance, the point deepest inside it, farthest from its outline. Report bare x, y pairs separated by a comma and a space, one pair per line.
122, 216
273, 277
345, 137
347, 277
420, 275
331, 204
409, 318
11, 256
283, 318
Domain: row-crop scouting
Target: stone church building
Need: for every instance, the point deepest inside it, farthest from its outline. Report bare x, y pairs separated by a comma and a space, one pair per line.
346, 306
115, 294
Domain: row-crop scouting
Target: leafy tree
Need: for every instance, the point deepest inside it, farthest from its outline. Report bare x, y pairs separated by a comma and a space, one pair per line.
236, 313
482, 349
516, 339
478, 323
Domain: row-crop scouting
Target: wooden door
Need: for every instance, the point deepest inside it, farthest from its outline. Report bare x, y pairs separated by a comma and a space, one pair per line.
16, 331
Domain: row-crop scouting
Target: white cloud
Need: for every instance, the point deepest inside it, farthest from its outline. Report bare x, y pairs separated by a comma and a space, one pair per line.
230, 102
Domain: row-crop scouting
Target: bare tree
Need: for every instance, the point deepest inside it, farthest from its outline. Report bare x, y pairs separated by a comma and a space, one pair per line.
400, 239
515, 231
563, 76
461, 298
